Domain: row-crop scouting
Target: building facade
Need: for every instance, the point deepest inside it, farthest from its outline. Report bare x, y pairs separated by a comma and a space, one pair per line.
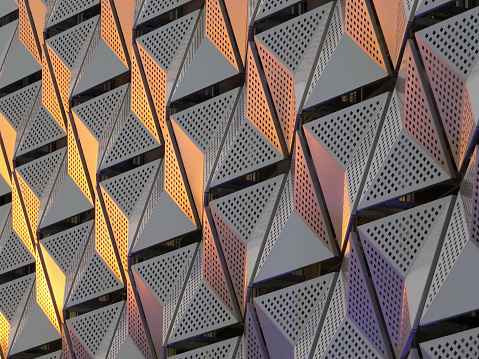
239, 179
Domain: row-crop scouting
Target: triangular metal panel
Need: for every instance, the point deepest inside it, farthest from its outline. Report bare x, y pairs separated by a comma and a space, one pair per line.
13, 252
64, 9
223, 349
308, 200
420, 118
243, 209
129, 350
458, 345
153, 8
297, 246
54, 355
362, 308
132, 140
284, 314
27, 32
111, 34
218, 30
213, 271
18, 64
94, 330
449, 34
339, 75
102, 66
37, 330
13, 296
335, 313
425, 6
269, 7
201, 72
259, 105
66, 246
254, 344
68, 201
68, 45
249, 152
42, 129
206, 312
412, 169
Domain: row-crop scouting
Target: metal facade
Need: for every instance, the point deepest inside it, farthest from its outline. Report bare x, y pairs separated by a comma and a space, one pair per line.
239, 179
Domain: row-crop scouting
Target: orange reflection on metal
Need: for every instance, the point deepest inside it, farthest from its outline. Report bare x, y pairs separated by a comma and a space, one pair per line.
19, 220
26, 32
109, 31
4, 333
49, 97
44, 297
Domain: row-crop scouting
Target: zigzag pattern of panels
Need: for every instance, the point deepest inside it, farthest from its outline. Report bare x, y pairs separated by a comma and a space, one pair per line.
239, 179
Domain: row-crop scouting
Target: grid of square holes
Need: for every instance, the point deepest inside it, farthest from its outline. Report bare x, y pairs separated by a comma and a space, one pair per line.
348, 343
359, 26
103, 241
462, 345
26, 31
127, 188
281, 85
255, 348
119, 226
16, 107
20, 224
456, 40
42, 129
38, 173
49, 97
98, 113
13, 253
334, 318
290, 40
341, 132
400, 237
31, 302
156, 79
448, 89
268, 7
334, 34
133, 139
213, 272
139, 101
358, 165
62, 76
12, 294
163, 43
109, 32
454, 242
217, 31
31, 203
120, 335
407, 169
250, 151
304, 343
283, 212
206, 312
239, 118
175, 184
390, 287
91, 328
96, 280
401, 29
290, 308
67, 245
468, 125
243, 209
75, 166
64, 9
69, 43
389, 133
192, 285
257, 106
359, 305
136, 329
44, 296
306, 202
474, 217
219, 350
234, 250
203, 122
153, 8
418, 117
